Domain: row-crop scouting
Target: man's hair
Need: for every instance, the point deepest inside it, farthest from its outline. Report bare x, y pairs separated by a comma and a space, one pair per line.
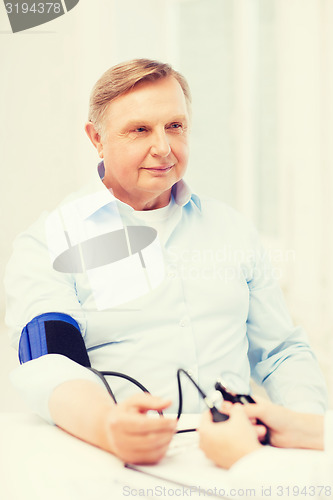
124, 77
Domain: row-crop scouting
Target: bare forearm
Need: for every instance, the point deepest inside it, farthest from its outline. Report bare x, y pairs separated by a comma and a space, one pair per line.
79, 407
309, 431
85, 409
288, 428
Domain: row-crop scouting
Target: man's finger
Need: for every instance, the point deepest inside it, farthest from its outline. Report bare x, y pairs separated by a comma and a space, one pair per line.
137, 423
145, 402
151, 441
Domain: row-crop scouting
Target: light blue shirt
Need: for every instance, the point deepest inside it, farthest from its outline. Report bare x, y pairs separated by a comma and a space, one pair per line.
205, 299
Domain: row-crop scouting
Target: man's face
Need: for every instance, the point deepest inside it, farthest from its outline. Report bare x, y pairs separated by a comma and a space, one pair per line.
145, 143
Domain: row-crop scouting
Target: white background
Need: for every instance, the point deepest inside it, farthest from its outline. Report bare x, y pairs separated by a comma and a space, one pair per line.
261, 73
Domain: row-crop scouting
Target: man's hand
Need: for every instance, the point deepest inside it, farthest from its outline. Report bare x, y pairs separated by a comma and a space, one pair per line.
84, 408
226, 442
135, 437
287, 428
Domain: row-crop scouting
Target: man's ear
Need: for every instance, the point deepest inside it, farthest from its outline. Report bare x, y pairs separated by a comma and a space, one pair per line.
94, 137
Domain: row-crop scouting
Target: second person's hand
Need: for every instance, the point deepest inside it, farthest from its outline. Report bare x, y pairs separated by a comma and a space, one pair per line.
226, 442
288, 428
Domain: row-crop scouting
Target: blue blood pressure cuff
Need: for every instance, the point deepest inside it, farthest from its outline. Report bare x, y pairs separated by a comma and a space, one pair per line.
53, 333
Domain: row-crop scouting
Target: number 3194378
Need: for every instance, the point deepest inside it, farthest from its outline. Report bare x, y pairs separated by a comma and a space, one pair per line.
35, 8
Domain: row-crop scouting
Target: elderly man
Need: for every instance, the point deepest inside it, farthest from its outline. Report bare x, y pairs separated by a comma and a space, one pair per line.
137, 274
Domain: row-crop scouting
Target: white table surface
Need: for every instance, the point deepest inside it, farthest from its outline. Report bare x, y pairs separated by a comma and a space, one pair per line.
40, 461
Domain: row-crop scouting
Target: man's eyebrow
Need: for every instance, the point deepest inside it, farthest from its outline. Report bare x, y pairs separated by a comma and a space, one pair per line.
139, 123
135, 123
178, 118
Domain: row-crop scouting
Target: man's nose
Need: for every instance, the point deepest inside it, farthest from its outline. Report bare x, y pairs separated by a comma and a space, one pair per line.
160, 144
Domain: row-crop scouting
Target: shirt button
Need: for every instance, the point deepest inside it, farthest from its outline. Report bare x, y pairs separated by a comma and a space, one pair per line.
172, 274
183, 322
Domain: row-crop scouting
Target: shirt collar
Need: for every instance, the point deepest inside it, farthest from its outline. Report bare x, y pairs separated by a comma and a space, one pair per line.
183, 194
100, 196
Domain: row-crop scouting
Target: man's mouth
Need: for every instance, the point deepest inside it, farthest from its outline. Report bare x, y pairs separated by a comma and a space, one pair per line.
159, 168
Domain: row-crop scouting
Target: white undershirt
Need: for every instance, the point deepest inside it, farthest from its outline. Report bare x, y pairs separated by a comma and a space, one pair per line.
162, 219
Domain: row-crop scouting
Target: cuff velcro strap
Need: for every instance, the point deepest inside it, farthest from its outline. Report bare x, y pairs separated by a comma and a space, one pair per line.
53, 333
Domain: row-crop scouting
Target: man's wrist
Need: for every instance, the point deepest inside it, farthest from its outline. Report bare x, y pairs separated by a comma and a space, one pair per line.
105, 436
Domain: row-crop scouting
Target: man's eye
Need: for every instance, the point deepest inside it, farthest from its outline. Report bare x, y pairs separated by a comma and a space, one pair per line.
140, 129
176, 126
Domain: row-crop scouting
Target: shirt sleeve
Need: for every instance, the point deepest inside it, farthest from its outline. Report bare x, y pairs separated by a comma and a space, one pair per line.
33, 288
280, 355
38, 378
